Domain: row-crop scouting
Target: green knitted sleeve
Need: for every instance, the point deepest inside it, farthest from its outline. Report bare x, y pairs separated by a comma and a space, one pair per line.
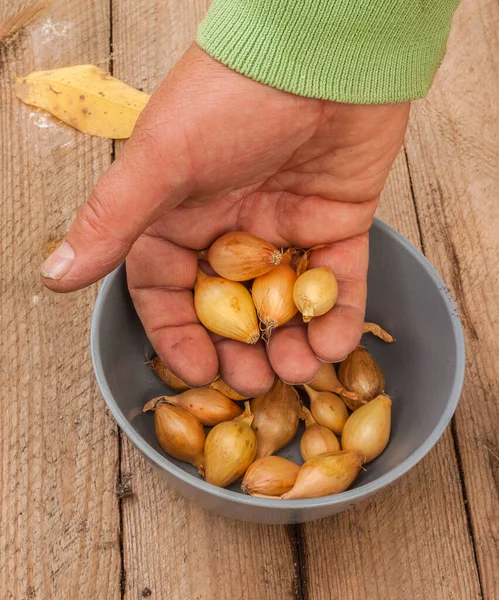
358, 51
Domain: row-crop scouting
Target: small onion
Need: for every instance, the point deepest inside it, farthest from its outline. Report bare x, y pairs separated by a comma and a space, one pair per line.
316, 438
270, 476
329, 473
225, 307
328, 409
179, 433
315, 292
360, 373
230, 449
273, 297
368, 428
241, 256
277, 414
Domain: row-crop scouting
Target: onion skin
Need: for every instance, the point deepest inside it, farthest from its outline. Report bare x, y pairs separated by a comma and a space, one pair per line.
379, 332
315, 292
360, 373
273, 297
277, 415
229, 450
226, 308
180, 434
168, 377
326, 474
219, 384
241, 256
270, 476
368, 428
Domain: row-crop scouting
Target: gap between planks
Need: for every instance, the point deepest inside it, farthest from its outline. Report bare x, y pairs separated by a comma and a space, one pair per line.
455, 442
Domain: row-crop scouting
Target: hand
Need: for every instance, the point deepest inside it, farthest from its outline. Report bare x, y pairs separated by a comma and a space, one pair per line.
215, 151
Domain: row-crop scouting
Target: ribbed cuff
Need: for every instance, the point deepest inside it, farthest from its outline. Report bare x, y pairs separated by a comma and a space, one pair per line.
356, 51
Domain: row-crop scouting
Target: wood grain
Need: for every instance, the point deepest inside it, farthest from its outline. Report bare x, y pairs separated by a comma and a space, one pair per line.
59, 519
454, 162
411, 540
171, 547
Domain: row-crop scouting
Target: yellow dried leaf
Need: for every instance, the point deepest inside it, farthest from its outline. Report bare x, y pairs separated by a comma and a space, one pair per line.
86, 98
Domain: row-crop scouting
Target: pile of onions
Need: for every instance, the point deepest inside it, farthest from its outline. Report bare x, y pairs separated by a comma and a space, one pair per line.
278, 291
346, 411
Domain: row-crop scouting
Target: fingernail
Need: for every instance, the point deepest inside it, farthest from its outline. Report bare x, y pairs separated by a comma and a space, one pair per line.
59, 263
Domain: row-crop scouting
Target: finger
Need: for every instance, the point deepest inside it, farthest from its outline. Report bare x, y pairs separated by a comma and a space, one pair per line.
144, 180
245, 367
291, 356
160, 279
334, 335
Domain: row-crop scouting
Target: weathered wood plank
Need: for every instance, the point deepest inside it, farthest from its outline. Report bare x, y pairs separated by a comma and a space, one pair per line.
172, 547
454, 162
59, 520
411, 540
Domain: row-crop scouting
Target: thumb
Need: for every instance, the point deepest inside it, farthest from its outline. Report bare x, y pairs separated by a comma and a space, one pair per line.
128, 198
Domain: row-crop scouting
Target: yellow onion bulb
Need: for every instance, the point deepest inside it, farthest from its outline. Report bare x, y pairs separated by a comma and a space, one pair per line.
242, 256
316, 439
328, 409
226, 308
230, 449
368, 428
361, 374
207, 405
277, 415
180, 434
270, 476
273, 297
315, 292
326, 474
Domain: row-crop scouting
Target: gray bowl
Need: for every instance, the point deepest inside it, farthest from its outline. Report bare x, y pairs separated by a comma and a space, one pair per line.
424, 371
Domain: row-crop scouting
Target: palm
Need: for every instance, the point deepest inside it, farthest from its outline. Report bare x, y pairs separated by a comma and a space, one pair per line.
294, 171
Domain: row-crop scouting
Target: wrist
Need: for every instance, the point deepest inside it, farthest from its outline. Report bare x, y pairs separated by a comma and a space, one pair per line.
363, 52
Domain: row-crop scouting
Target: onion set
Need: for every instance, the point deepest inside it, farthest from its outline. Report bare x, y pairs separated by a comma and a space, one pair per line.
346, 411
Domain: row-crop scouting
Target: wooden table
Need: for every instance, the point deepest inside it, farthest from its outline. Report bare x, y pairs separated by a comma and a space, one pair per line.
81, 513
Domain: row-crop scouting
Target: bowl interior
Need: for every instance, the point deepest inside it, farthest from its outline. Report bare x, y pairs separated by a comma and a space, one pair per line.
424, 368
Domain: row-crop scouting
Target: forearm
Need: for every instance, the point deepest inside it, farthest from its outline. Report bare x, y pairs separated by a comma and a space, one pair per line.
367, 51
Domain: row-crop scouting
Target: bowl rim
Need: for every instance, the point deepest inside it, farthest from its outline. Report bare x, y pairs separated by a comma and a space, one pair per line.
349, 495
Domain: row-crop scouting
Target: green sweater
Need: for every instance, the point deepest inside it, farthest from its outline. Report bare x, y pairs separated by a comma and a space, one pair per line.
359, 51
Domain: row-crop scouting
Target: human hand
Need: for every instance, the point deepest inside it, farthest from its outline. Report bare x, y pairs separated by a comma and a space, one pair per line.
215, 151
